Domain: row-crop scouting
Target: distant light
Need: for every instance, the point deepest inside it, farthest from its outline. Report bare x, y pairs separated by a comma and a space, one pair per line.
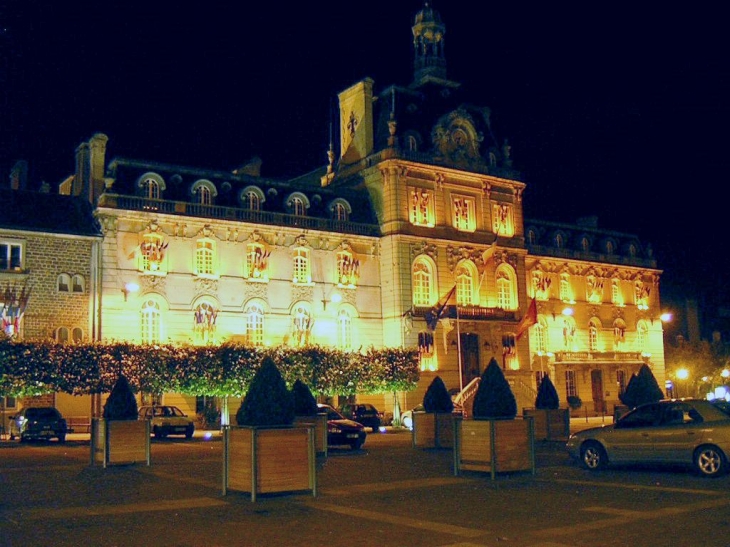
725, 373
131, 287
207, 435
666, 317
568, 311
682, 374
336, 297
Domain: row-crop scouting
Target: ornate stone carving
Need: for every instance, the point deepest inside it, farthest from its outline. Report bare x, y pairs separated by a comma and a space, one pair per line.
153, 283
454, 255
302, 292
203, 285
424, 248
254, 289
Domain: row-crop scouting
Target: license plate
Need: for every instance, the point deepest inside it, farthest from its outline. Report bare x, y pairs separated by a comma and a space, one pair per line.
352, 435
46, 433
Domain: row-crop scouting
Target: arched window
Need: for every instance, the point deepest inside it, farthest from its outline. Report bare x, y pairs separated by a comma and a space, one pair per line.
585, 244
203, 195
423, 282
559, 240
204, 257
619, 334
610, 247
251, 198
616, 295
344, 330
566, 291
506, 283
642, 336
531, 237
593, 330
77, 335
255, 325
62, 335
340, 210
151, 322
301, 266
64, 283
78, 284
466, 276
302, 323
569, 330
298, 204
152, 253
412, 143
348, 269
540, 334
151, 185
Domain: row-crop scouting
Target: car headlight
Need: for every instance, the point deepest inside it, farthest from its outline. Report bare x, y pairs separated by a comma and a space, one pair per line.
335, 430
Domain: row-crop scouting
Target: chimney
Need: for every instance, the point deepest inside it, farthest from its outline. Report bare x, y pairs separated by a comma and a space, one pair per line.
19, 176
90, 165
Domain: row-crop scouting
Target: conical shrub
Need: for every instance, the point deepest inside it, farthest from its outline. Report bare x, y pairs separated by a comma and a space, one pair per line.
304, 402
494, 397
642, 388
121, 404
437, 398
547, 396
268, 401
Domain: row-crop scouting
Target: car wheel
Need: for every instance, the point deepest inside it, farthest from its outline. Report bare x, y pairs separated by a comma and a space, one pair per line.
356, 445
62, 438
710, 461
592, 456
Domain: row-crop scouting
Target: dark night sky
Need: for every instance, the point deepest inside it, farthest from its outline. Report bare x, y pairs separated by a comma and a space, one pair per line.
615, 110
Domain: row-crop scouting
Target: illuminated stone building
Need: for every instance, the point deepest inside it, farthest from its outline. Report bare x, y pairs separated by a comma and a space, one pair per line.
412, 235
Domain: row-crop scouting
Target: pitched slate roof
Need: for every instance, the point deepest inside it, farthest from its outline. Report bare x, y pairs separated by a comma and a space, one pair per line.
45, 212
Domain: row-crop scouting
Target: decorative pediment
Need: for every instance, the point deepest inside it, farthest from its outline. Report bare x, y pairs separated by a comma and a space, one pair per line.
424, 248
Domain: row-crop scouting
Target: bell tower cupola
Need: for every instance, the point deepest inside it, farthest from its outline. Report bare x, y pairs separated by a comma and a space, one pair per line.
429, 61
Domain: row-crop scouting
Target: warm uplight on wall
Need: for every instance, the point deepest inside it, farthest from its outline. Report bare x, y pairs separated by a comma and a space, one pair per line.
128, 288
335, 298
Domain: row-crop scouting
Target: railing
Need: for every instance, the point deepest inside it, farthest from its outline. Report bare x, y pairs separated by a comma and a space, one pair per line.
471, 313
563, 356
135, 203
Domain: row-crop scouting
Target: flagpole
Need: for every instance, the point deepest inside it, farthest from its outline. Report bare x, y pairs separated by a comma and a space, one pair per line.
458, 350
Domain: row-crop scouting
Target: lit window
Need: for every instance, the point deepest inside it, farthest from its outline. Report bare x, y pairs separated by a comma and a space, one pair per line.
340, 210
64, 283
421, 208
540, 334
642, 295
619, 334
255, 325
570, 387
593, 335
423, 288
594, 289
151, 322
502, 221
77, 284
427, 351
204, 255
464, 214
205, 317
616, 296
301, 266
11, 256
541, 285
257, 260
569, 329
344, 330
203, 195
506, 288
566, 291
642, 335
348, 269
464, 285
297, 207
251, 198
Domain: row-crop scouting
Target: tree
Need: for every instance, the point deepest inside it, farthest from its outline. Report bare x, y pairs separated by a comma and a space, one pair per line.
268, 401
304, 402
437, 398
547, 396
642, 388
121, 404
494, 397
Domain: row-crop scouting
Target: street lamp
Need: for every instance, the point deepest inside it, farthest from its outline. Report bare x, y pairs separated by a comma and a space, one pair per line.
682, 374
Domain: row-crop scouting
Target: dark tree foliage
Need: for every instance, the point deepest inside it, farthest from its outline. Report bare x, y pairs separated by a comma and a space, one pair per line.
642, 388
437, 398
547, 396
494, 397
268, 401
121, 404
304, 402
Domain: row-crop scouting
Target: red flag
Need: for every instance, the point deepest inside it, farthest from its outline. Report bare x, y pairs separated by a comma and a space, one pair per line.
437, 312
529, 319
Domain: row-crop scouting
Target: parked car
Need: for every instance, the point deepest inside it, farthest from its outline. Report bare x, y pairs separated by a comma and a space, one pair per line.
341, 430
365, 414
691, 432
406, 418
167, 420
38, 423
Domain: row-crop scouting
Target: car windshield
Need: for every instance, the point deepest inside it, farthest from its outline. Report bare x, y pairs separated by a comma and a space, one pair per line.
41, 413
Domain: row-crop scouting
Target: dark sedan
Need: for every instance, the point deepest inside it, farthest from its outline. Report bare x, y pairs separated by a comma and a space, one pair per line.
342, 431
40, 423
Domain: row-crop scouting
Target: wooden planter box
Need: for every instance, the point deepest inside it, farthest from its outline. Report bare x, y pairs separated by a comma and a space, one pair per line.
433, 430
120, 442
268, 460
494, 446
319, 422
550, 424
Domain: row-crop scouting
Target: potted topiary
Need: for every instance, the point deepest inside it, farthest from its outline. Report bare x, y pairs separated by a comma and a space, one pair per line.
551, 422
642, 388
434, 426
266, 454
119, 437
495, 440
306, 411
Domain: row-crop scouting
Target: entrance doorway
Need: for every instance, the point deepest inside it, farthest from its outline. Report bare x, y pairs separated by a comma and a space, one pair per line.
599, 403
470, 368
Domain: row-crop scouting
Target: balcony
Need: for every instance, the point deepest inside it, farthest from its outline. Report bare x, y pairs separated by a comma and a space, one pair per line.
603, 356
135, 203
472, 313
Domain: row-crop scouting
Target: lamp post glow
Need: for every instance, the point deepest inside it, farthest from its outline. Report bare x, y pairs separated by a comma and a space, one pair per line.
682, 374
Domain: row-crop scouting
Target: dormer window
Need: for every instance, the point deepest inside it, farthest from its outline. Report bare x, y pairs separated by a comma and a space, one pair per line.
340, 210
298, 204
252, 198
151, 186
